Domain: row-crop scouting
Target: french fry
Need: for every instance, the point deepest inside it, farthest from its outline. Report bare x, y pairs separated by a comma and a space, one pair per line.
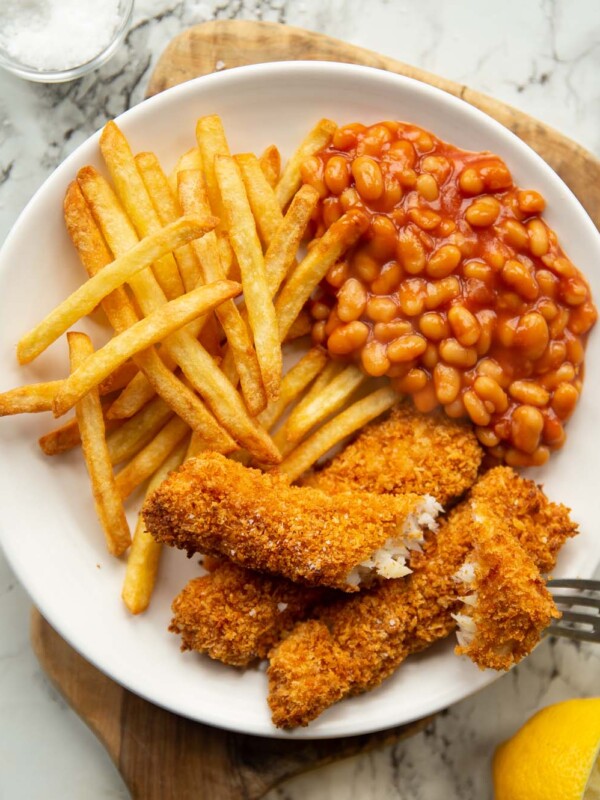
67, 435
313, 268
123, 269
246, 246
293, 383
192, 194
136, 432
289, 183
130, 188
191, 159
336, 430
280, 257
149, 459
148, 331
212, 142
167, 207
144, 556
329, 400
109, 507
263, 202
300, 327
29, 399
134, 396
120, 378
331, 370
270, 163
196, 364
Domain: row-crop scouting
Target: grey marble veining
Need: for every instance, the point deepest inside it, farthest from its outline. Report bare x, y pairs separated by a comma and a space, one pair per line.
542, 56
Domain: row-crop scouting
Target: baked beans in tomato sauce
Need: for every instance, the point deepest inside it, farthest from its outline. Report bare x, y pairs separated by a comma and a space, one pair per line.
458, 291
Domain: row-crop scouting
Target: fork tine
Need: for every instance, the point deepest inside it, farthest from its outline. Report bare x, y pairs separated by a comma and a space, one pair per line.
574, 633
576, 600
574, 583
586, 619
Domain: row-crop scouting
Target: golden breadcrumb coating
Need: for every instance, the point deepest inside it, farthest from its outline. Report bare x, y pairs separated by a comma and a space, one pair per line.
406, 452
236, 615
511, 604
217, 506
540, 526
379, 628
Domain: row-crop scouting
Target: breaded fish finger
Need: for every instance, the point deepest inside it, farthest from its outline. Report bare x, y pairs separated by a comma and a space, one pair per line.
236, 615
363, 639
217, 506
406, 452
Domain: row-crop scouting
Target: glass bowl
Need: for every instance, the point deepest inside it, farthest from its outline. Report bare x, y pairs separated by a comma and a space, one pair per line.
8, 62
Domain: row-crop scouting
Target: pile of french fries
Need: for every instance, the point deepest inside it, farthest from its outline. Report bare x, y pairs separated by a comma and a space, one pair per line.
200, 277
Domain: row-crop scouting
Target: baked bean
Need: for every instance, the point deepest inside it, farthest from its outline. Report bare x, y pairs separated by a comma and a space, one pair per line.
337, 174
425, 218
352, 300
374, 359
441, 292
411, 296
431, 356
406, 348
411, 253
365, 266
382, 244
413, 381
483, 212
387, 331
427, 187
564, 400
526, 428
438, 166
490, 390
530, 393
487, 437
425, 399
447, 383
531, 202
476, 408
349, 198
458, 291
443, 261
381, 309
470, 181
516, 458
389, 278
367, 177
434, 326
517, 275
338, 274
515, 234
464, 324
532, 334
347, 338
455, 354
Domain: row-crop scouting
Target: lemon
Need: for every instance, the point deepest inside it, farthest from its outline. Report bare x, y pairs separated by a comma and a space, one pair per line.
554, 756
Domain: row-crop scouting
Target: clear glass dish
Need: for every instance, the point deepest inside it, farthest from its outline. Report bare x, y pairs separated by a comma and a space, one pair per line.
125, 11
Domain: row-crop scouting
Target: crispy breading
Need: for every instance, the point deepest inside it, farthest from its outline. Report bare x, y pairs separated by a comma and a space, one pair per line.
236, 615
379, 628
217, 506
406, 452
540, 526
508, 604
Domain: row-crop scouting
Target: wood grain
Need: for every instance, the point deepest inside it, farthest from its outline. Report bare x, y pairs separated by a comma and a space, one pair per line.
234, 43
162, 756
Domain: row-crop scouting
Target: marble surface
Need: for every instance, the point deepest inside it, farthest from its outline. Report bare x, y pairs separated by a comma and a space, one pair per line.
542, 56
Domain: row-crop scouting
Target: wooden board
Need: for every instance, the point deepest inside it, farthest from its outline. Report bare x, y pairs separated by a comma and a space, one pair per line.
162, 756
233, 43
165, 757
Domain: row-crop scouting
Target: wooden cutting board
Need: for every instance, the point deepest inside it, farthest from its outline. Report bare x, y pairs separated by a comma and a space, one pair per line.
162, 756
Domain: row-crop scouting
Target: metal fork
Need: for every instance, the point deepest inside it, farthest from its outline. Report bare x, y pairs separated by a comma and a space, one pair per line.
582, 624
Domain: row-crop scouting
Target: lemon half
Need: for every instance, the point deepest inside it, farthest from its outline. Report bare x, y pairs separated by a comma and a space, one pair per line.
554, 756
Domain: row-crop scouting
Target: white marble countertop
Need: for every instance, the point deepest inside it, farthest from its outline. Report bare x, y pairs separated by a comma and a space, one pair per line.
542, 56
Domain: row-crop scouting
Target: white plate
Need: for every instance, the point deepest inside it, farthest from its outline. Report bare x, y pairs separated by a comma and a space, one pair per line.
48, 527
